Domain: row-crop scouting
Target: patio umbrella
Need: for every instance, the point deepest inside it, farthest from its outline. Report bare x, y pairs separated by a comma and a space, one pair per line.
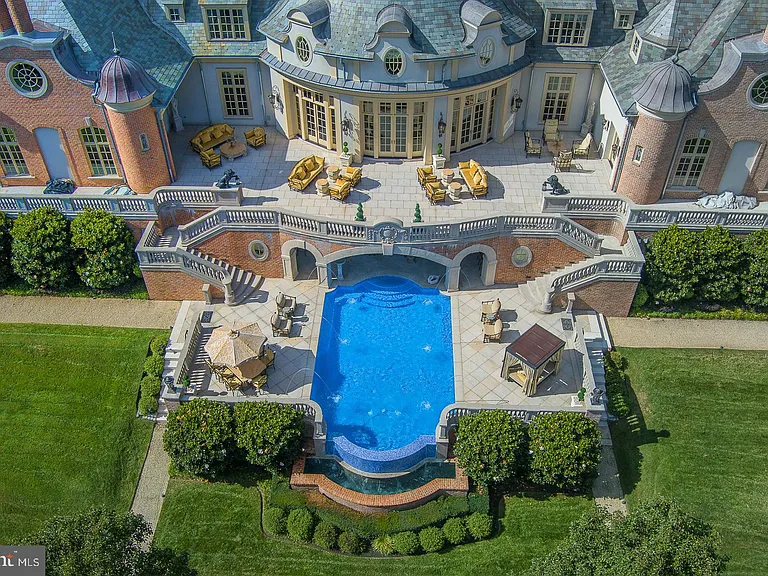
235, 345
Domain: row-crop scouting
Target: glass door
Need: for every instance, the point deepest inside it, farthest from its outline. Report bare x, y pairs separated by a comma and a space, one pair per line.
393, 129
473, 119
385, 129
313, 110
401, 129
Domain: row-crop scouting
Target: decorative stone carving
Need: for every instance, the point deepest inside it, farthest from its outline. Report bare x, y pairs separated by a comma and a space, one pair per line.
388, 232
586, 127
178, 124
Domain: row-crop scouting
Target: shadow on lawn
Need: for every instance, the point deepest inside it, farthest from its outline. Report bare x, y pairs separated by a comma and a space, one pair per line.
628, 435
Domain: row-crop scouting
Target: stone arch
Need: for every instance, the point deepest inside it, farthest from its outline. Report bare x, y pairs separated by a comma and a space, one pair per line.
288, 254
488, 272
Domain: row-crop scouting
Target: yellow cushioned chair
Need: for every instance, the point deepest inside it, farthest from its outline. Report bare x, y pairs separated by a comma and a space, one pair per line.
435, 191
425, 174
581, 149
340, 189
256, 137
211, 137
551, 132
210, 159
305, 171
351, 175
474, 177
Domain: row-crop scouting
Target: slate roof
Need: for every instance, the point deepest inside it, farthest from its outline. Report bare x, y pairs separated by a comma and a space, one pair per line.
716, 22
437, 26
140, 39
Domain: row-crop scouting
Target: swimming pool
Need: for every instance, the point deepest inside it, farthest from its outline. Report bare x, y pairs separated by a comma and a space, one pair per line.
384, 370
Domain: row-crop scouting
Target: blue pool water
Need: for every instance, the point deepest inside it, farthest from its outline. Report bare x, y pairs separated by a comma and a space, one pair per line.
384, 367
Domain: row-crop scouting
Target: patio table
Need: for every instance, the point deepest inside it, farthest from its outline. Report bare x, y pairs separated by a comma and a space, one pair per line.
233, 149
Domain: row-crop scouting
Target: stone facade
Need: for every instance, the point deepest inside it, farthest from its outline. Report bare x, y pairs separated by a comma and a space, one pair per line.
65, 106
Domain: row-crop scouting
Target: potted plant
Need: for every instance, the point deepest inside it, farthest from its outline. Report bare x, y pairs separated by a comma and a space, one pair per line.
438, 160
345, 158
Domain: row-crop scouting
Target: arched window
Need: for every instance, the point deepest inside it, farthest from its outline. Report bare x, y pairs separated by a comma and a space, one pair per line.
98, 151
487, 50
393, 62
691, 163
302, 49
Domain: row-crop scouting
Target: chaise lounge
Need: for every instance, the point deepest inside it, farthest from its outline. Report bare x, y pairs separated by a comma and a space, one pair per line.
492, 332
305, 171
209, 138
490, 310
281, 326
286, 305
581, 149
475, 178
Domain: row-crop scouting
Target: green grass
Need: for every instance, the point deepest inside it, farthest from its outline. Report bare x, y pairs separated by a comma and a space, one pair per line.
135, 289
219, 525
69, 438
700, 435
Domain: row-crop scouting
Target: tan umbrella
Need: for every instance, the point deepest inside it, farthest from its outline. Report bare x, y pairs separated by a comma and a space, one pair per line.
235, 345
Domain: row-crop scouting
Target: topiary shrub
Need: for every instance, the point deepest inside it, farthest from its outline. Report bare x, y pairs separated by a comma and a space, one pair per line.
754, 276
565, 450
41, 254
406, 543
150, 385
104, 249
432, 539
672, 264
199, 437
490, 445
455, 530
269, 433
383, 545
5, 248
275, 522
157, 345
154, 365
148, 405
350, 543
325, 535
479, 525
720, 265
300, 525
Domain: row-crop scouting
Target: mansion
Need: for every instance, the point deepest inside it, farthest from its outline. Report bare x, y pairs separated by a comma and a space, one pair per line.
674, 94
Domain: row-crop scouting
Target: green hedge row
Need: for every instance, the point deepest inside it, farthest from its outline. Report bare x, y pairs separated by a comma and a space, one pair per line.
153, 369
616, 384
369, 526
302, 525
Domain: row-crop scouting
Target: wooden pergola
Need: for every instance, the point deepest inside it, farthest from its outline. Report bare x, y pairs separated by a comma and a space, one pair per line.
532, 358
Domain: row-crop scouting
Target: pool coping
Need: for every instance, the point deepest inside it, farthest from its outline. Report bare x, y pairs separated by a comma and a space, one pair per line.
458, 486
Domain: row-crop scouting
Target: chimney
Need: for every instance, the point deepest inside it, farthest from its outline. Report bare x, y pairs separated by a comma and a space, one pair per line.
6, 24
20, 16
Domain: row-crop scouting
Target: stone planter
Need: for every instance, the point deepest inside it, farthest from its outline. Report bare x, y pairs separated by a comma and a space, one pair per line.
438, 162
345, 160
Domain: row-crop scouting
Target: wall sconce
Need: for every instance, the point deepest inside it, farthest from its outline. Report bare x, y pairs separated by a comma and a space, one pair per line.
274, 99
517, 101
441, 126
605, 122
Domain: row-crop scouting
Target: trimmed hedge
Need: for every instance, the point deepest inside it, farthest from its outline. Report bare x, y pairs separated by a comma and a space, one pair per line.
351, 543
275, 521
157, 345
5, 248
455, 530
406, 543
480, 526
269, 434
300, 525
154, 366
432, 539
325, 535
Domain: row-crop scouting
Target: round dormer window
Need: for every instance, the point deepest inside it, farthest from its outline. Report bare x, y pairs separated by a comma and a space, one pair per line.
302, 49
758, 92
393, 62
26, 78
487, 50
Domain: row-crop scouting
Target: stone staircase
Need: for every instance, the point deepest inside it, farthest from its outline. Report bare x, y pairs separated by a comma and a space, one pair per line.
244, 282
535, 290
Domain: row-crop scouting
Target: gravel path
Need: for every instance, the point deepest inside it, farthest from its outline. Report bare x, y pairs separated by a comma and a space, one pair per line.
673, 333
88, 311
148, 500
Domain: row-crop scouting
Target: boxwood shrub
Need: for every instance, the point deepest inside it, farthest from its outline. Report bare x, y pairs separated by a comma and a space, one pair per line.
432, 539
104, 249
325, 535
383, 545
300, 524
41, 251
275, 522
480, 525
154, 365
157, 345
351, 543
406, 543
148, 405
455, 530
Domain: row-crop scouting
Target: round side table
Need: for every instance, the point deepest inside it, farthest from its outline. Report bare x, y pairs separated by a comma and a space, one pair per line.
333, 172
322, 187
454, 190
447, 174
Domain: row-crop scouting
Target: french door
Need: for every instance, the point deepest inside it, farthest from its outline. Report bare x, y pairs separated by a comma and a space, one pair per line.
393, 129
315, 117
473, 119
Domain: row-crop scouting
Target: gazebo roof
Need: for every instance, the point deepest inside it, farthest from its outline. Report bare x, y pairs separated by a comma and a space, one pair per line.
535, 346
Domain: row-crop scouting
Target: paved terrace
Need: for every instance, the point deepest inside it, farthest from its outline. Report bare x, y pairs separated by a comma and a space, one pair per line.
389, 187
477, 365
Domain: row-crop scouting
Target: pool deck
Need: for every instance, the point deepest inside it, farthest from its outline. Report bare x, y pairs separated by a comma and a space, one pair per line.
477, 365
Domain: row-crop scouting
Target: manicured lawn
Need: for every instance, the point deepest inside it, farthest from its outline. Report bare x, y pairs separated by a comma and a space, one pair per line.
69, 438
219, 524
701, 436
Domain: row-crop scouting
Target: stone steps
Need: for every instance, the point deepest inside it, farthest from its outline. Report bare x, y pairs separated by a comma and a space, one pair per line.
244, 282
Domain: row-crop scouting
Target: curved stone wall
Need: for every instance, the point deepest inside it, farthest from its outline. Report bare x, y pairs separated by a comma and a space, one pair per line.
368, 461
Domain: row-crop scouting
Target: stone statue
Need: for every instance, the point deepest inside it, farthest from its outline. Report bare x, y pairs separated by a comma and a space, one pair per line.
586, 127
228, 180
178, 123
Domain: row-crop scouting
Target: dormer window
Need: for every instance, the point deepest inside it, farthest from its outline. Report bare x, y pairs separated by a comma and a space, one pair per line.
567, 28
634, 50
623, 20
227, 23
487, 49
175, 12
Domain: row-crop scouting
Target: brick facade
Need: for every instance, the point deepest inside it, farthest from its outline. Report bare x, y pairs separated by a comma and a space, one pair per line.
172, 285
144, 169
644, 183
608, 298
605, 227
20, 15
64, 107
168, 216
5, 17
726, 117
